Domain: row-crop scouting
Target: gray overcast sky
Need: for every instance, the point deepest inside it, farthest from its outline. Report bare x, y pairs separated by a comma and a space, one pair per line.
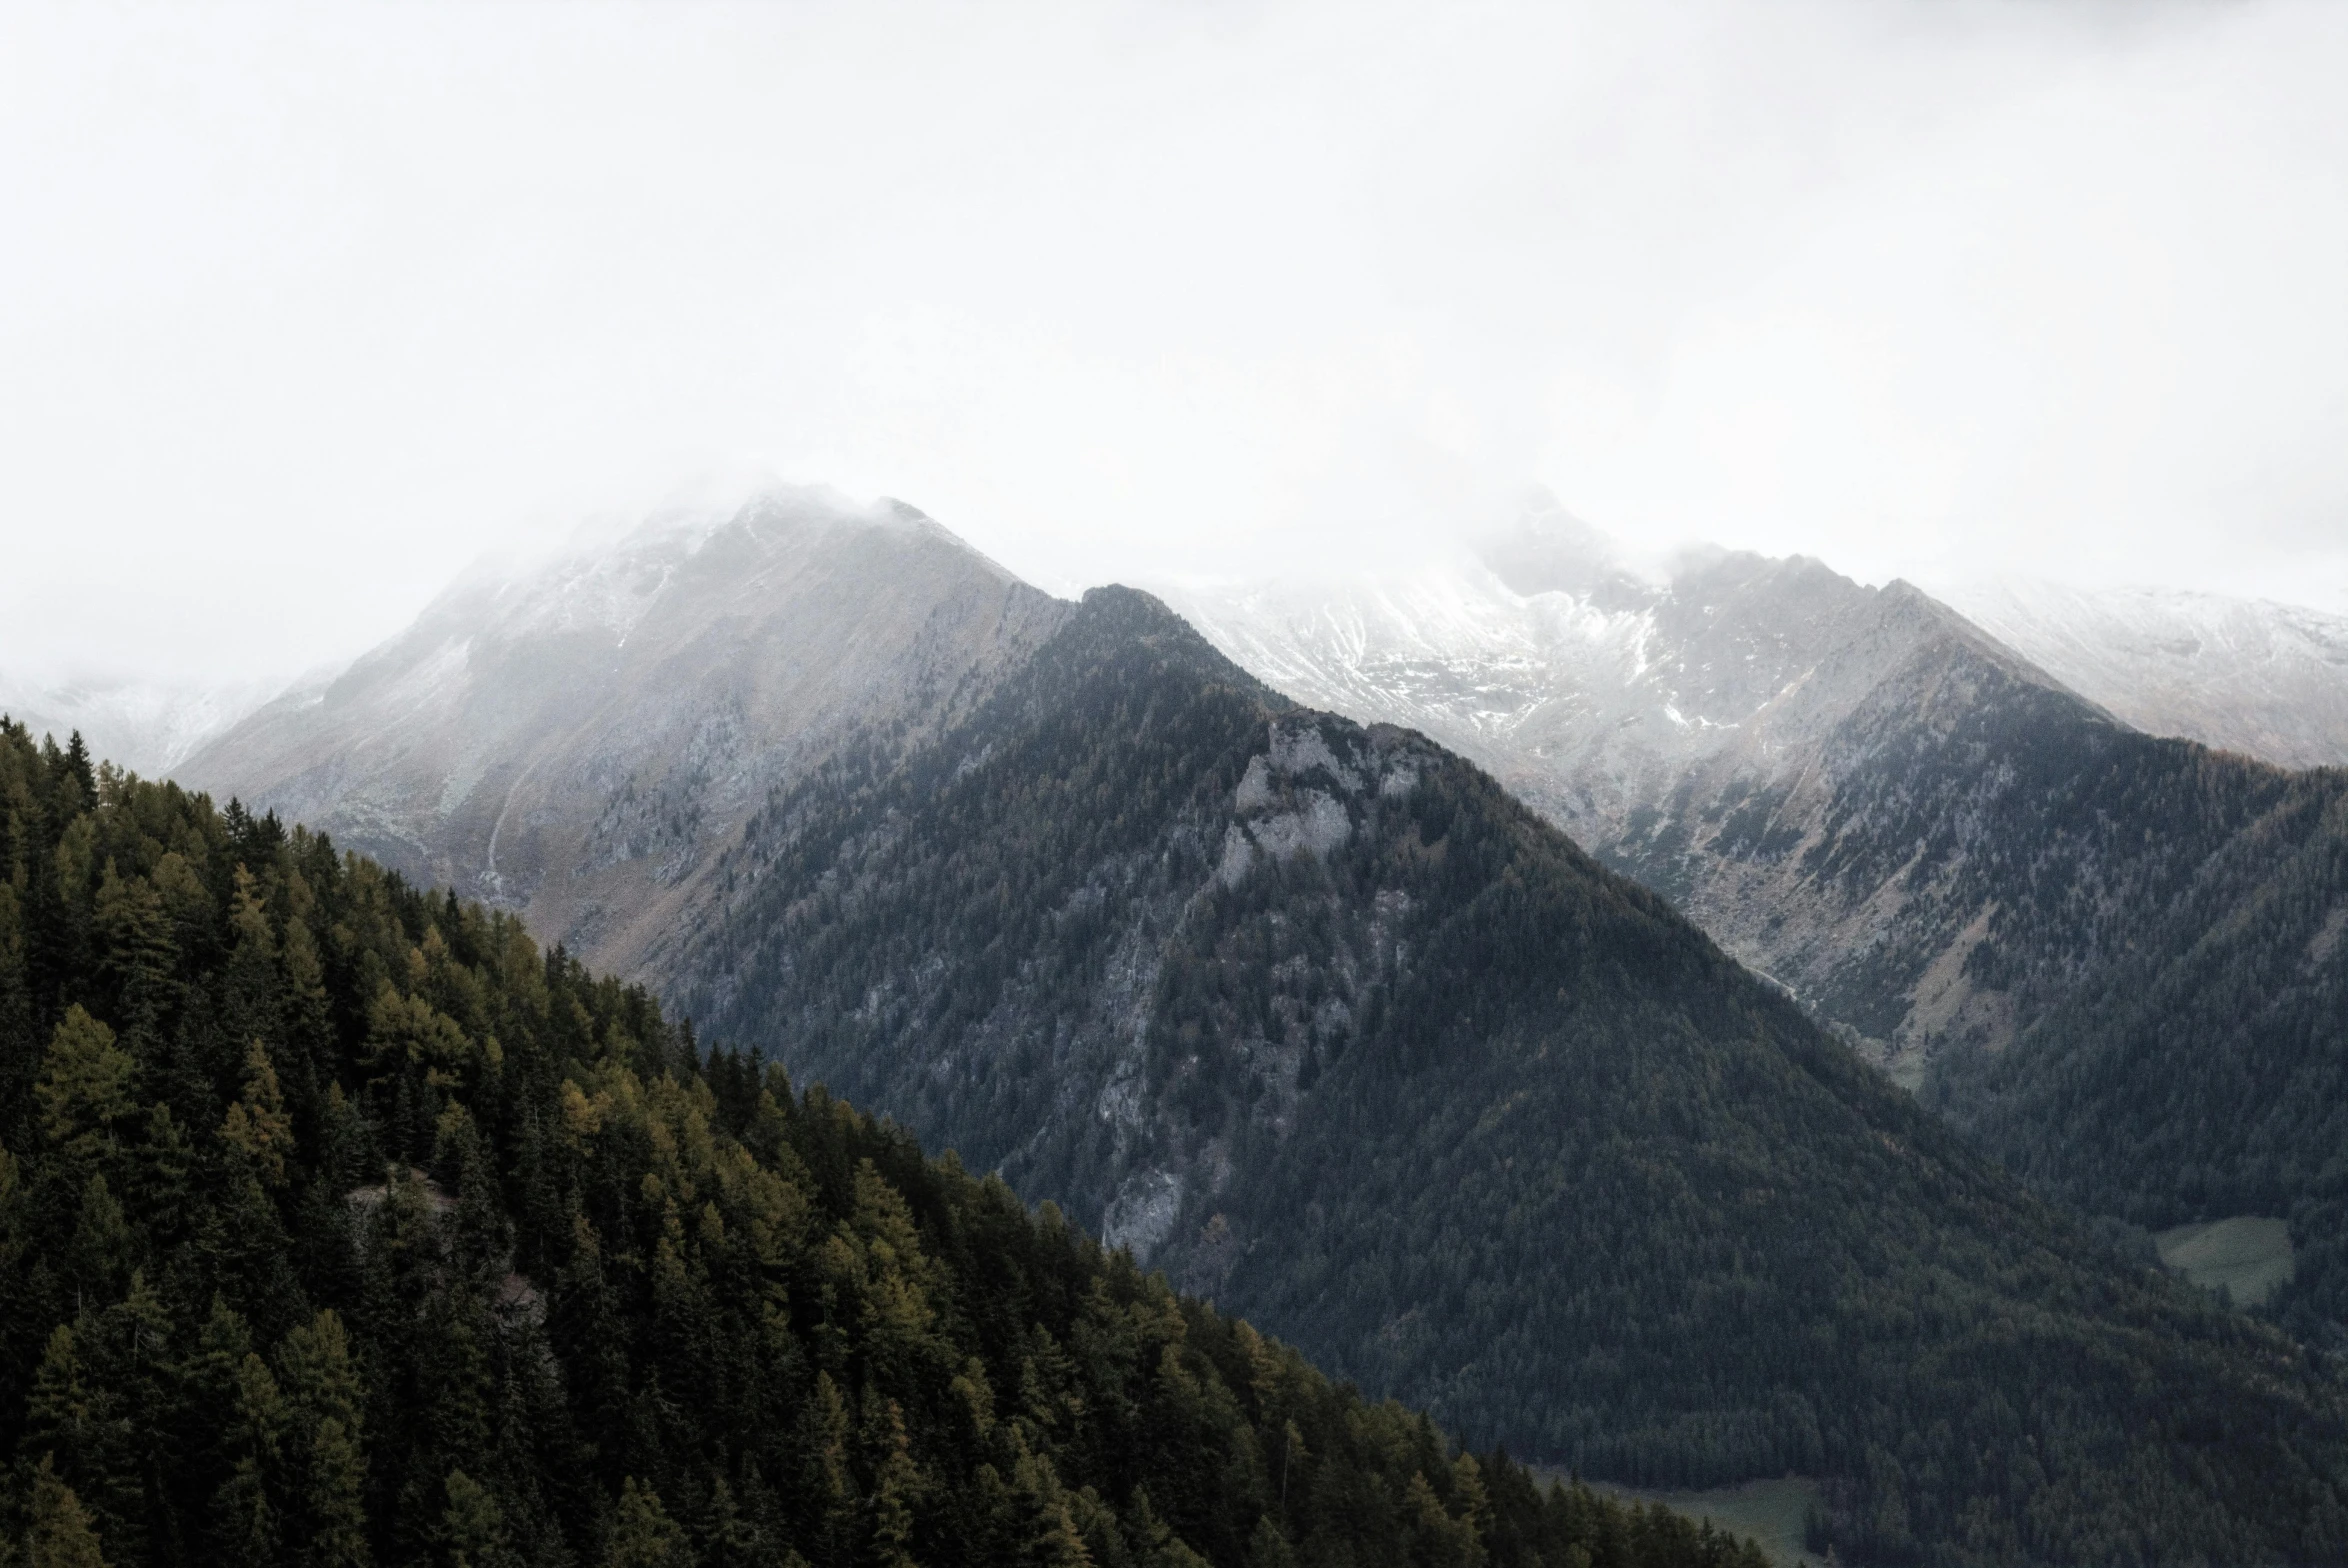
303, 307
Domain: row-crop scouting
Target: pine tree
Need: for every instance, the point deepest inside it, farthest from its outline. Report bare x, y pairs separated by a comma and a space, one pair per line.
100, 1254
57, 1418
643, 1535
138, 955
134, 1394
473, 1525
256, 1125
1267, 1547
62, 1535
325, 1399
84, 1088
734, 1540
829, 1486
896, 1485
247, 1520
334, 1498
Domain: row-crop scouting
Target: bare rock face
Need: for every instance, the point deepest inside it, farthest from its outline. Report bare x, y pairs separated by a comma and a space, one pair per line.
2246, 675
580, 743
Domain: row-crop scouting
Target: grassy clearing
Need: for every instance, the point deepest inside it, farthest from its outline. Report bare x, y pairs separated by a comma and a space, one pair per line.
1771, 1512
2248, 1255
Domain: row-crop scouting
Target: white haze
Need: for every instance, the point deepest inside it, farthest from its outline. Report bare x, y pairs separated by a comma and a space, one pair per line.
303, 307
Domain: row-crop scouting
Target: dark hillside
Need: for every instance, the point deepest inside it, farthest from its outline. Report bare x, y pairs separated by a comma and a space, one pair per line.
2116, 958
2203, 1070
1324, 1022
341, 1226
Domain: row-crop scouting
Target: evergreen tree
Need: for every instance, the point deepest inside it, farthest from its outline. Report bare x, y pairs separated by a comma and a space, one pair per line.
62, 1535
84, 1087
643, 1535
474, 1525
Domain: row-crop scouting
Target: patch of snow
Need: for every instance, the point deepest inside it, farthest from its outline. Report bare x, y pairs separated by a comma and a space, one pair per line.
2248, 675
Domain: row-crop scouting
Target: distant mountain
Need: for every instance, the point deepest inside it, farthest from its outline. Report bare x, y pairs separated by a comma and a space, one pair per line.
580, 741
148, 727
2113, 957
1320, 1020
2249, 675
1712, 736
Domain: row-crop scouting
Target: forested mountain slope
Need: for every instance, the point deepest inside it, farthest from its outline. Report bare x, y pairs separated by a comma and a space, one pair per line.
577, 742
1327, 1024
2201, 1070
2115, 957
339, 1225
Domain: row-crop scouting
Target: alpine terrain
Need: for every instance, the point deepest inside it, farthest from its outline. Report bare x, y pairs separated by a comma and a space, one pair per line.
1322, 1021
576, 743
2264, 679
1326, 1024
2113, 957
148, 727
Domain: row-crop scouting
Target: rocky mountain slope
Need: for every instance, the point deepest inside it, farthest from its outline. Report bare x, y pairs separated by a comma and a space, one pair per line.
1325, 1023
1717, 737
2079, 940
580, 742
2264, 679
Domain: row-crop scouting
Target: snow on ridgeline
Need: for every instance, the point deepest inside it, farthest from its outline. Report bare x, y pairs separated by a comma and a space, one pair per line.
146, 726
2248, 675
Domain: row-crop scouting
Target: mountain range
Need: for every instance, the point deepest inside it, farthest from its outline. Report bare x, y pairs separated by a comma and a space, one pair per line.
1317, 1017
2112, 956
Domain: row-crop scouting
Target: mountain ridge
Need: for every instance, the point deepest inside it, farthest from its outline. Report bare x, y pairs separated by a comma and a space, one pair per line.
1937, 846
2265, 679
1325, 1023
524, 741
1086, 900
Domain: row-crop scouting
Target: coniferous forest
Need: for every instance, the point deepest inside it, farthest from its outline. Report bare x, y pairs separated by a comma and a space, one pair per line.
340, 1225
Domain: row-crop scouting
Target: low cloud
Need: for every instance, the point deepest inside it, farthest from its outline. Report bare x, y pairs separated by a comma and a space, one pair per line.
321, 301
